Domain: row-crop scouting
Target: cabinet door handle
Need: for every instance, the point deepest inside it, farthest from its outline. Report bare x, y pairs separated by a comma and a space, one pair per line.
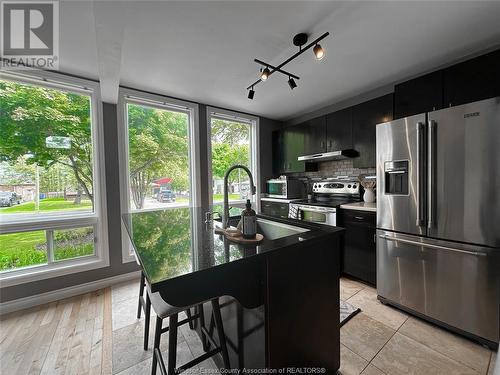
359, 217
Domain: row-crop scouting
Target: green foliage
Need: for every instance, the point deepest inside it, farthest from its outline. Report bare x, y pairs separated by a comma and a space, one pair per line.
230, 146
20, 249
49, 204
164, 241
72, 234
158, 147
29, 248
69, 251
225, 155
30, 114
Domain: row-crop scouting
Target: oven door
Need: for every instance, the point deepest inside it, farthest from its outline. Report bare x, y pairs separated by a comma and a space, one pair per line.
316, 214
277, 189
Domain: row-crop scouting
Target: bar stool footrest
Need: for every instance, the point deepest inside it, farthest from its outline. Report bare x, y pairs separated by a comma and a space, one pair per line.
186, 365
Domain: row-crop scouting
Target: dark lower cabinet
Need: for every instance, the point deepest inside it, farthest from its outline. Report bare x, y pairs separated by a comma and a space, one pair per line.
276, 209
365, 117
359, 251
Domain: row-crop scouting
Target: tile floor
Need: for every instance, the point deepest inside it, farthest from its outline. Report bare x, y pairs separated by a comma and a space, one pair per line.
384, 340
98, 333
129, 357
379, 340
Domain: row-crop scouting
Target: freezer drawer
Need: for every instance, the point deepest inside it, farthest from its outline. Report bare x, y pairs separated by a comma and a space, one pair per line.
453, 283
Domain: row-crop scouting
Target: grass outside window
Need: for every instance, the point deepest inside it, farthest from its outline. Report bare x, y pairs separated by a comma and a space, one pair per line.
47, 205
23, 249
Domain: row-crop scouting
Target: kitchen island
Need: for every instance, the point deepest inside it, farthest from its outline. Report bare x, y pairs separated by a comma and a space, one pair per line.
279, 298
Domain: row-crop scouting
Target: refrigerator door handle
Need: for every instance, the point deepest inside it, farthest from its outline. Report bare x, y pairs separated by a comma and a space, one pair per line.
420, 174
431, 246
431, 173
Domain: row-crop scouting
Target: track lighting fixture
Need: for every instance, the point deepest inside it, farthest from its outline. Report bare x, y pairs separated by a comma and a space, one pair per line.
251, 93
319, 53
299, 40
264, 74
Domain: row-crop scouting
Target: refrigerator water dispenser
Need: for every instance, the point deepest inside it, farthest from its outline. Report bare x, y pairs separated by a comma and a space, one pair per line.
396, 177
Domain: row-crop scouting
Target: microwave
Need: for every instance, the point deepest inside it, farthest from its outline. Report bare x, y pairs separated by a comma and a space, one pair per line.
284, 188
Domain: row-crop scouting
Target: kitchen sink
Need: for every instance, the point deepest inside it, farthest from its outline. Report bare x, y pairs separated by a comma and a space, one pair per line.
272, 230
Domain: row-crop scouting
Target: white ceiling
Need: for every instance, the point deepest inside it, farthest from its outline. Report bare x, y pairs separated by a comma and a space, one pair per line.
204, 50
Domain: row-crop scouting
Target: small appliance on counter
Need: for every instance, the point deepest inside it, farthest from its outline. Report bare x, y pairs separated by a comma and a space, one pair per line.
328, 195
285, 188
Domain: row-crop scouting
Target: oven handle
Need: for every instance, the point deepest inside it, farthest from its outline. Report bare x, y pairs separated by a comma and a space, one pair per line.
314, 209
431, 246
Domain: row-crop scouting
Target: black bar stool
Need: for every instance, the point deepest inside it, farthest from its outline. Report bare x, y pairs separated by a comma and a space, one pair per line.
164, 310
144, 304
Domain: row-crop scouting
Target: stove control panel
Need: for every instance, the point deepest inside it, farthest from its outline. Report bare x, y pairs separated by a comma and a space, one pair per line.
336, 187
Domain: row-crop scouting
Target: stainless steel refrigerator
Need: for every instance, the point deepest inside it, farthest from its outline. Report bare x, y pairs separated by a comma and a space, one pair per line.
438, 217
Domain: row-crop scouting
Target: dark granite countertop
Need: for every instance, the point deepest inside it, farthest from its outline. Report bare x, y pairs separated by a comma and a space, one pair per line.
175, 242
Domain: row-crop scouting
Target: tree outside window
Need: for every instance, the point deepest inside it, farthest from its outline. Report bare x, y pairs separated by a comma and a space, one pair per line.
158, 157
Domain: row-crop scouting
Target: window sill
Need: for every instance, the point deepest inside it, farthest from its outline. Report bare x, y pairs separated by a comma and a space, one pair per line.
47, 271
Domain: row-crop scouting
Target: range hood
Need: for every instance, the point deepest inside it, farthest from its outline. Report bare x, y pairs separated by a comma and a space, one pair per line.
332, 155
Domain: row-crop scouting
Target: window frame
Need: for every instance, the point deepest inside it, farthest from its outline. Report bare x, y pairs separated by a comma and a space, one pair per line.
66, 220
253, 122
128, 95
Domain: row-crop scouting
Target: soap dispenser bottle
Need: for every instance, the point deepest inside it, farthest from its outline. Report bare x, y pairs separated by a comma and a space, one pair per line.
248, 221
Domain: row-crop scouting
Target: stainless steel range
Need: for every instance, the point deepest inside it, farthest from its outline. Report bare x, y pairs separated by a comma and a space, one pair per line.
328, 195
438, 215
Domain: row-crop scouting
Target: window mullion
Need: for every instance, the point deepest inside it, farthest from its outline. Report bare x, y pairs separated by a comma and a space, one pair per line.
49, 234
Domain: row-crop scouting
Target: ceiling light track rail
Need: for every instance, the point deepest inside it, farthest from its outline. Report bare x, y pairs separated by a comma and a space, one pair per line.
275, 69
318, 51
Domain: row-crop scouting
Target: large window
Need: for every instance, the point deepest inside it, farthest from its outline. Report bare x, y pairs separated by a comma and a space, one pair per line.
158, 153
51, 200
232, 141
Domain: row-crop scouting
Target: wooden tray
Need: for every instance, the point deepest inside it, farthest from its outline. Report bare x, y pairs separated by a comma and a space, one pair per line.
236, 236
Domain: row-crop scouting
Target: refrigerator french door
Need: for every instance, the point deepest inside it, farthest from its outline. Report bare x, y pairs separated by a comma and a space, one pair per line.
464, 173
438, 217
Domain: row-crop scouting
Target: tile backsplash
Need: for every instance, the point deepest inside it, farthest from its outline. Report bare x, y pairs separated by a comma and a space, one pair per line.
336, 168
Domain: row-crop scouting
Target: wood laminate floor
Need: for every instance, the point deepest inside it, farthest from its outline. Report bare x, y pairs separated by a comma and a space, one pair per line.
98, 333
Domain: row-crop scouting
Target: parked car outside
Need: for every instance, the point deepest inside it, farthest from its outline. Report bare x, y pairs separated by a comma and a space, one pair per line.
9, 198
166, 196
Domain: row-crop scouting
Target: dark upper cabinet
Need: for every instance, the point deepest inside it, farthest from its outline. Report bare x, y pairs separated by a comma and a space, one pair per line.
339, 130
419, 95
314, 135
364, 118
472, 80
278, 151
288, 145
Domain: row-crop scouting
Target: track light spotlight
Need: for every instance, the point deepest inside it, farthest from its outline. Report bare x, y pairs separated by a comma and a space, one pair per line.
251, 93
266, 69
264, 74
319, 52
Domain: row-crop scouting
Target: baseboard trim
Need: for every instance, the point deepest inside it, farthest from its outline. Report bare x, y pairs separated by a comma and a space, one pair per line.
54, 295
